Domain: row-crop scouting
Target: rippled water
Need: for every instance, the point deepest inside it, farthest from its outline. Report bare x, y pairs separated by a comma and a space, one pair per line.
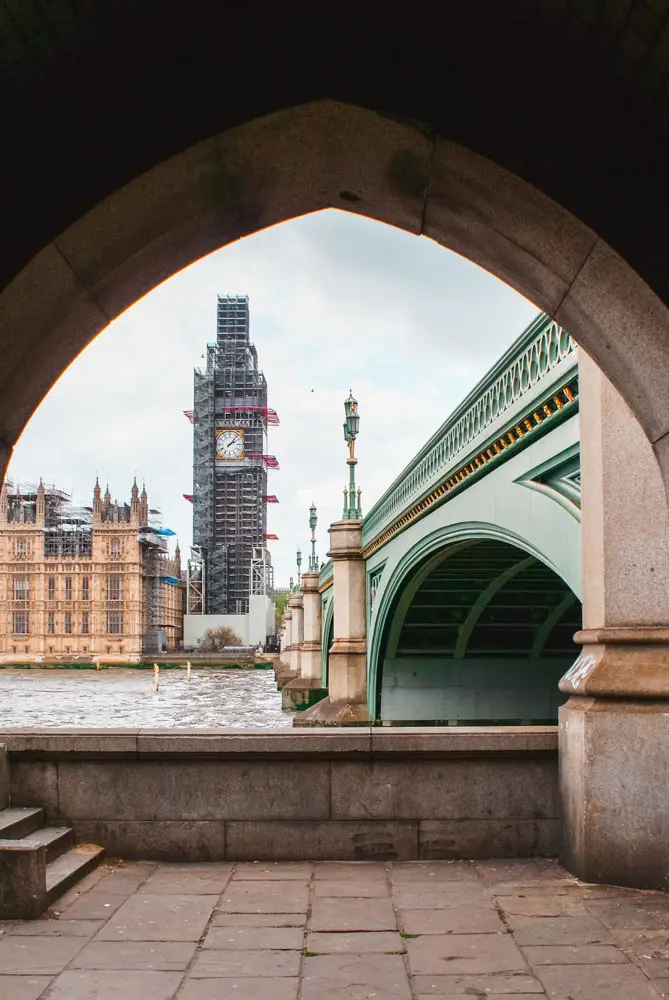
113, 698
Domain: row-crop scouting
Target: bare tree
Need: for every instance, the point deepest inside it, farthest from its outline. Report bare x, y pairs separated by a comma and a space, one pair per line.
216, 639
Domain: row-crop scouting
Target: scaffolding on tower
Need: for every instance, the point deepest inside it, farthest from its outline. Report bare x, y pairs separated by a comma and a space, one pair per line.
228, 497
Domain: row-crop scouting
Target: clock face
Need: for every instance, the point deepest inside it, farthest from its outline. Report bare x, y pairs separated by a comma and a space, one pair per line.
230, 444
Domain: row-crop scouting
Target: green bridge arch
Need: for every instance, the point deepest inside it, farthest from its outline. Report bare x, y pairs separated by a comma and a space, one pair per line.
458, 648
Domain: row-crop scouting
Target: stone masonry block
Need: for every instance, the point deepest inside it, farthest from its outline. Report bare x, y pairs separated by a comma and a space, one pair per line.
156, 841
22, 880
193, 790
445, 789
496, 838
356, 841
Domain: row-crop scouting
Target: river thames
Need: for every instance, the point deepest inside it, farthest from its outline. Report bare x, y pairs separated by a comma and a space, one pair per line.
126, 698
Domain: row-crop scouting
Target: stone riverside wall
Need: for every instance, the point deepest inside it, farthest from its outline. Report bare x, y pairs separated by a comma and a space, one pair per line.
318, 794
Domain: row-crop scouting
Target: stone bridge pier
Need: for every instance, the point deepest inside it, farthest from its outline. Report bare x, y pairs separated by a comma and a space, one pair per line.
346, 701
305, 686
614, 729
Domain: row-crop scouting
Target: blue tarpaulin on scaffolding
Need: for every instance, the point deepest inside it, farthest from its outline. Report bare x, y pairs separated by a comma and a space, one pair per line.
170, 579
164, 531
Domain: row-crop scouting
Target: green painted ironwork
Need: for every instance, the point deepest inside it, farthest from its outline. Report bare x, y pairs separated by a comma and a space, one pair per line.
538, 362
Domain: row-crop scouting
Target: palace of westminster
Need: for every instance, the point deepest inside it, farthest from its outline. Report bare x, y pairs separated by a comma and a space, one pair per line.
84, 583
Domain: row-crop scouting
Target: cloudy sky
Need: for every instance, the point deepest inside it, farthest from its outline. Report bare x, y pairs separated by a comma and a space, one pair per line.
337, 302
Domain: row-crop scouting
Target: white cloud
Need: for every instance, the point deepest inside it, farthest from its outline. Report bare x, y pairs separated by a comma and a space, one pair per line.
337, 302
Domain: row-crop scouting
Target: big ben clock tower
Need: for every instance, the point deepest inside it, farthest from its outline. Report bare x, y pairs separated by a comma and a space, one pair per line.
230, 460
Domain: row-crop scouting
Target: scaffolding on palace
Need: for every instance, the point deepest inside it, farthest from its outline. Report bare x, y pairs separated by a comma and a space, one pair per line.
68, 528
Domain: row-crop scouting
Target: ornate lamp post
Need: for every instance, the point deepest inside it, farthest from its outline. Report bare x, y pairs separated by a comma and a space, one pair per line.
299, 574
313, 521
352, 506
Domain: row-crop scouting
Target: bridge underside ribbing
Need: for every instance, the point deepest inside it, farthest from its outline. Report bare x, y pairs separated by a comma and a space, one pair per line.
480, 633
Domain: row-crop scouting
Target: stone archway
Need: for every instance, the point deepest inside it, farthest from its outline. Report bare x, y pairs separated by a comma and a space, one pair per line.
319, 155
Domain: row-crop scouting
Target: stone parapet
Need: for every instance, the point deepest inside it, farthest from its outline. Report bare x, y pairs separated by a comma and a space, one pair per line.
317, 793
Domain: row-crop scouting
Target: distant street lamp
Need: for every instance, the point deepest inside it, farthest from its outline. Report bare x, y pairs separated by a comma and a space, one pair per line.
313, 521
299, 574
352, 505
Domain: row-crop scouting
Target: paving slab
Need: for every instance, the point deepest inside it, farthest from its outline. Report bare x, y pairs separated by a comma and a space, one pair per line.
163, 956
98, 904
468, 920
557, 930
370, 888
254, 938
283, 870
357, 943
648, 949
444, 896
355, 977
258, 897
464, 953
596, 982
328, 989
159, 918
542, 905
88, 984
402, 872
337, 871
585, 954
23, 987
240, 963
505, 984
649, 912
50, 927
20, 955
248, 988
169, 880
350, 914
224, 919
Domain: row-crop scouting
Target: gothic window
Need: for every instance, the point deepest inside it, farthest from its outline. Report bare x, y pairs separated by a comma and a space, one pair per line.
84, 623
20, 623
68, 588
115, 547
20, 547
114, 587
84, 588
50, 623
51, 588
21, 588
115, 623
68, 623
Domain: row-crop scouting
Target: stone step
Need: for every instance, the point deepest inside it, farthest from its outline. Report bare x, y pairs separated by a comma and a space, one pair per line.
16, 823
56, 839
66, 870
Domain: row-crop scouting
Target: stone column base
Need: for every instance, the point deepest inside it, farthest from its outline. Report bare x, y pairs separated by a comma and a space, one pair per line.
283, 674
302, 691
614, 781
614, 758
333, 713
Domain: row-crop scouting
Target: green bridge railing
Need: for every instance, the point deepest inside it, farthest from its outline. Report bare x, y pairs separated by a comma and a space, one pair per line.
519, 376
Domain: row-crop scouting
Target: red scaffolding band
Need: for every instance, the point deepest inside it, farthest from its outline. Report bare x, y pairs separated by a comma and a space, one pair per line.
269, 415
190, 414
269, 460
188, 496
271, 538
271, 499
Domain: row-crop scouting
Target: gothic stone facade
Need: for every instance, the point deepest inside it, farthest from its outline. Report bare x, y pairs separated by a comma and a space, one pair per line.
77, 591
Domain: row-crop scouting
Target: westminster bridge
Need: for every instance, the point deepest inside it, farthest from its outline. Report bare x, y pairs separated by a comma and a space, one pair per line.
467, 570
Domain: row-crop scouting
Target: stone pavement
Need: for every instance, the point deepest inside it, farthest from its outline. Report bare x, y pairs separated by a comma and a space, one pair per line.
513, 930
